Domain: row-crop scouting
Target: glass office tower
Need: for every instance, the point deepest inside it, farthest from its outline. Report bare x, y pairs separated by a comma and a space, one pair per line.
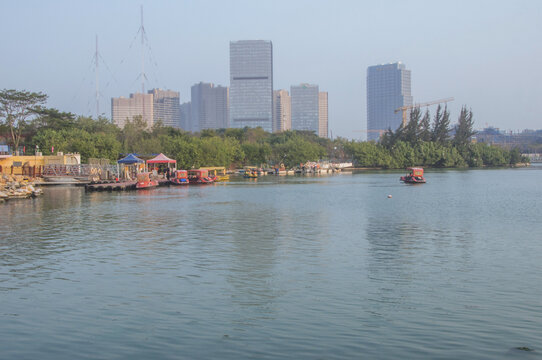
251, 84
305, 107
388, 88
209, 109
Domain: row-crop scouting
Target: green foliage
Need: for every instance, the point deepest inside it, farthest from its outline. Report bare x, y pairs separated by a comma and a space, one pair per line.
465, 128
369, 154
295, 151
425, 127
412, 129
16, 107
441, 126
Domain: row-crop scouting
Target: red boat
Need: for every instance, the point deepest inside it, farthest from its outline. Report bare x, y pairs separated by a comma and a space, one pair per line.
180, 177
414, 177
144, 181
199, 176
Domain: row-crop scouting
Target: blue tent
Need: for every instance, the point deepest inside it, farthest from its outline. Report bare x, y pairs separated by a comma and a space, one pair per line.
130, 159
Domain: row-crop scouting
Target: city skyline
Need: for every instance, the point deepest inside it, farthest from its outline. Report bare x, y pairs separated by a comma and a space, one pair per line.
452, 53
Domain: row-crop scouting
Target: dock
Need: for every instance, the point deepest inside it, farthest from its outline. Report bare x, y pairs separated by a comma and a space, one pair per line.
118, 186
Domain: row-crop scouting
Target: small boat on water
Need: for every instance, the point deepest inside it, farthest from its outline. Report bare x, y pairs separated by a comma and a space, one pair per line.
199, 176
180, 177
414, 177
251, 173
217, 173
144, 181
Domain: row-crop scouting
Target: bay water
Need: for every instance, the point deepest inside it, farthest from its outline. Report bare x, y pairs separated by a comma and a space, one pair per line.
297, 267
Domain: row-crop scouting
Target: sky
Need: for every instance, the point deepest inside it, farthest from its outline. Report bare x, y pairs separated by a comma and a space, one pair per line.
485, 54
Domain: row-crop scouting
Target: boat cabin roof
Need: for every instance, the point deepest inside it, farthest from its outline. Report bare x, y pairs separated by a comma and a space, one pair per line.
417, 171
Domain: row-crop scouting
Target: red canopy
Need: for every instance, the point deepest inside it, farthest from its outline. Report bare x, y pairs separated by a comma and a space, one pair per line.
161, 159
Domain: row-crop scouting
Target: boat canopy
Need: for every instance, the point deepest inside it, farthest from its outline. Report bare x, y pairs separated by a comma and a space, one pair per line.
130, 159
416, 171
161, 159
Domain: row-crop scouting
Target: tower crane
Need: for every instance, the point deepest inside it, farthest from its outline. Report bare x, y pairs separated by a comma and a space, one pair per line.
409, 107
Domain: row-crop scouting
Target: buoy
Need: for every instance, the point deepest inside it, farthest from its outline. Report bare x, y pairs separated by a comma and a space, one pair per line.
389, 196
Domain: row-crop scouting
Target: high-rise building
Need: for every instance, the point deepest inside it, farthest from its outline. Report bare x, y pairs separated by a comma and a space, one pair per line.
186, 116
125, 109
209, 109
305, 107
157, 105
282, 113
322, 115
167, 107
251, 84
388, 88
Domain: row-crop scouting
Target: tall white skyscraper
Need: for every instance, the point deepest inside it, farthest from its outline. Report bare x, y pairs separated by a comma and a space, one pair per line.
251, 84
388, 88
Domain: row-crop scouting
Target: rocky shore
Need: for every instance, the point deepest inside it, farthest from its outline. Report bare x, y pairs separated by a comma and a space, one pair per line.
19, 187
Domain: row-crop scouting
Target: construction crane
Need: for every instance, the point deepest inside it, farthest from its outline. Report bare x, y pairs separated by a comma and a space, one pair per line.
409, 107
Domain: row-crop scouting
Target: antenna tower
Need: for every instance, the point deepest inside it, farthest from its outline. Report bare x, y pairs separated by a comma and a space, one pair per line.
97, 88
142, 30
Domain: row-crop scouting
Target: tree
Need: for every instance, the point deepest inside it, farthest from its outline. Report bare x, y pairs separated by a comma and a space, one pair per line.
441, 125
425, 127
53, 119
412, 129
465, 128
16, 107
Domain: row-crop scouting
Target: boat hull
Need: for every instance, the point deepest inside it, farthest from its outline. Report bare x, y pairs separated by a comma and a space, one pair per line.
146, 184
413, 179
179, 181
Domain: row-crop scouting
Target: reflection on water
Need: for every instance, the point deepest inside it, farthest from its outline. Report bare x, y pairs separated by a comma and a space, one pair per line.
281, 267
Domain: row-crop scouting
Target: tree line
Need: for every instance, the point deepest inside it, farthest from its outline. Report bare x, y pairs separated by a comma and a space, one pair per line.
424, 141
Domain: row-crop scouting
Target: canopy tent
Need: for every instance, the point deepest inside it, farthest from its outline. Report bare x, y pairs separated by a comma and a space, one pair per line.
161, 159
130, 159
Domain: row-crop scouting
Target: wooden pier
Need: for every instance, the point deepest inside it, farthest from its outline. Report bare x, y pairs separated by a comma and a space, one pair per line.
118, 186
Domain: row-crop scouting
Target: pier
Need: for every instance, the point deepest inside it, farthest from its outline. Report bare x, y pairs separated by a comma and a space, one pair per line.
118, 186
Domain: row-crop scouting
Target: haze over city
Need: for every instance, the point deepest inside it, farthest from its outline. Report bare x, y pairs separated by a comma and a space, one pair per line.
480, 53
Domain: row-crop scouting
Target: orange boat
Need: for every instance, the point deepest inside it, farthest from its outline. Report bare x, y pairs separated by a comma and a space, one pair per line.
199, 176
180, 178
414, 177
144, 181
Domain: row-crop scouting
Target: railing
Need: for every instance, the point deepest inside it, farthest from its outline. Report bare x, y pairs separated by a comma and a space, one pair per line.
104, 172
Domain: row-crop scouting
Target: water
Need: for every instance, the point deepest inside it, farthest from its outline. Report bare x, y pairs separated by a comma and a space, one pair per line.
279, 268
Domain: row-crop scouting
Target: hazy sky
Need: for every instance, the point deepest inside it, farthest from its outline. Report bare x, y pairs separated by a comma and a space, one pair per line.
486, 54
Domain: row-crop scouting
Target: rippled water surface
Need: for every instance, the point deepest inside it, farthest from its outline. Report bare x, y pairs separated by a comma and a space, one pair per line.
322, 267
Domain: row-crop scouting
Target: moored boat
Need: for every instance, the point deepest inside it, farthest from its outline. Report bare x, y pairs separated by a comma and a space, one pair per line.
250, 173
414, 177
180, 177
199, 176
217, 173
144, 181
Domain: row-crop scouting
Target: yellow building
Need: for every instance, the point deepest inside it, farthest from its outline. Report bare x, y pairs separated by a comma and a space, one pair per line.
17, 164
